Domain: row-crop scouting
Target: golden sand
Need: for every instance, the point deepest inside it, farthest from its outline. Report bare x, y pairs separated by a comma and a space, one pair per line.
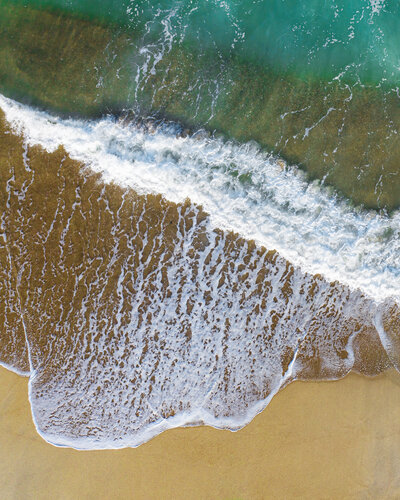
326, 440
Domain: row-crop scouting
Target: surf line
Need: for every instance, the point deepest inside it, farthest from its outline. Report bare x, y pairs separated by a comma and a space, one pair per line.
241, 187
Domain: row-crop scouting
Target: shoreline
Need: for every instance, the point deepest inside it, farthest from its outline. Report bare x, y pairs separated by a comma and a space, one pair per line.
315, 439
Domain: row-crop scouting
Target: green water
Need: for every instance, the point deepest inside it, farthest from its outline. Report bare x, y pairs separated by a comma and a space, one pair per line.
315, 82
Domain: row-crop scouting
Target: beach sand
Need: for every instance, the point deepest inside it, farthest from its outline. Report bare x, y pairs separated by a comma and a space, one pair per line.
315, 440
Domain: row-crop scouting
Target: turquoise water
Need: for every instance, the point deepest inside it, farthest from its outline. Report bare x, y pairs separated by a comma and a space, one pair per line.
322, 38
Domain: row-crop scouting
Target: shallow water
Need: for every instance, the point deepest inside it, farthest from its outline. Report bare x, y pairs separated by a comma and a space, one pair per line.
317, 38
127, 300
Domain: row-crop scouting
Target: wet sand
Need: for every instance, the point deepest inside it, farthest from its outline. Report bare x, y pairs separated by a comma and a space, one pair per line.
315, 440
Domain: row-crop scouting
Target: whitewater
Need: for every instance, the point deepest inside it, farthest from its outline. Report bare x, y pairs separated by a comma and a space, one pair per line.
241, 187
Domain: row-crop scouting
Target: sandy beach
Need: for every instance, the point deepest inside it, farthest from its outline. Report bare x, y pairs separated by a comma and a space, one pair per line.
315, 440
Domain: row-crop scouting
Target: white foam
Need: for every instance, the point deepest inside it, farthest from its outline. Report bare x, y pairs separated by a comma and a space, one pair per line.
13, 369
376, 6
273, 205
128, 380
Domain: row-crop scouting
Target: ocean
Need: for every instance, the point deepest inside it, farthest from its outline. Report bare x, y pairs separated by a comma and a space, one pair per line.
199, 205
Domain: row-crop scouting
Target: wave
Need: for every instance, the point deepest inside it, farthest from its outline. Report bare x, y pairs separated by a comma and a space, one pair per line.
143, 311
296, 86
242, 188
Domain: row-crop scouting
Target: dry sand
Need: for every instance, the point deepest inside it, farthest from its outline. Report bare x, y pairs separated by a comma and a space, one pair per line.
315, 440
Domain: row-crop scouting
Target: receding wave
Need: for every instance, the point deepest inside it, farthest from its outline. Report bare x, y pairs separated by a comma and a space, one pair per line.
164, 280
